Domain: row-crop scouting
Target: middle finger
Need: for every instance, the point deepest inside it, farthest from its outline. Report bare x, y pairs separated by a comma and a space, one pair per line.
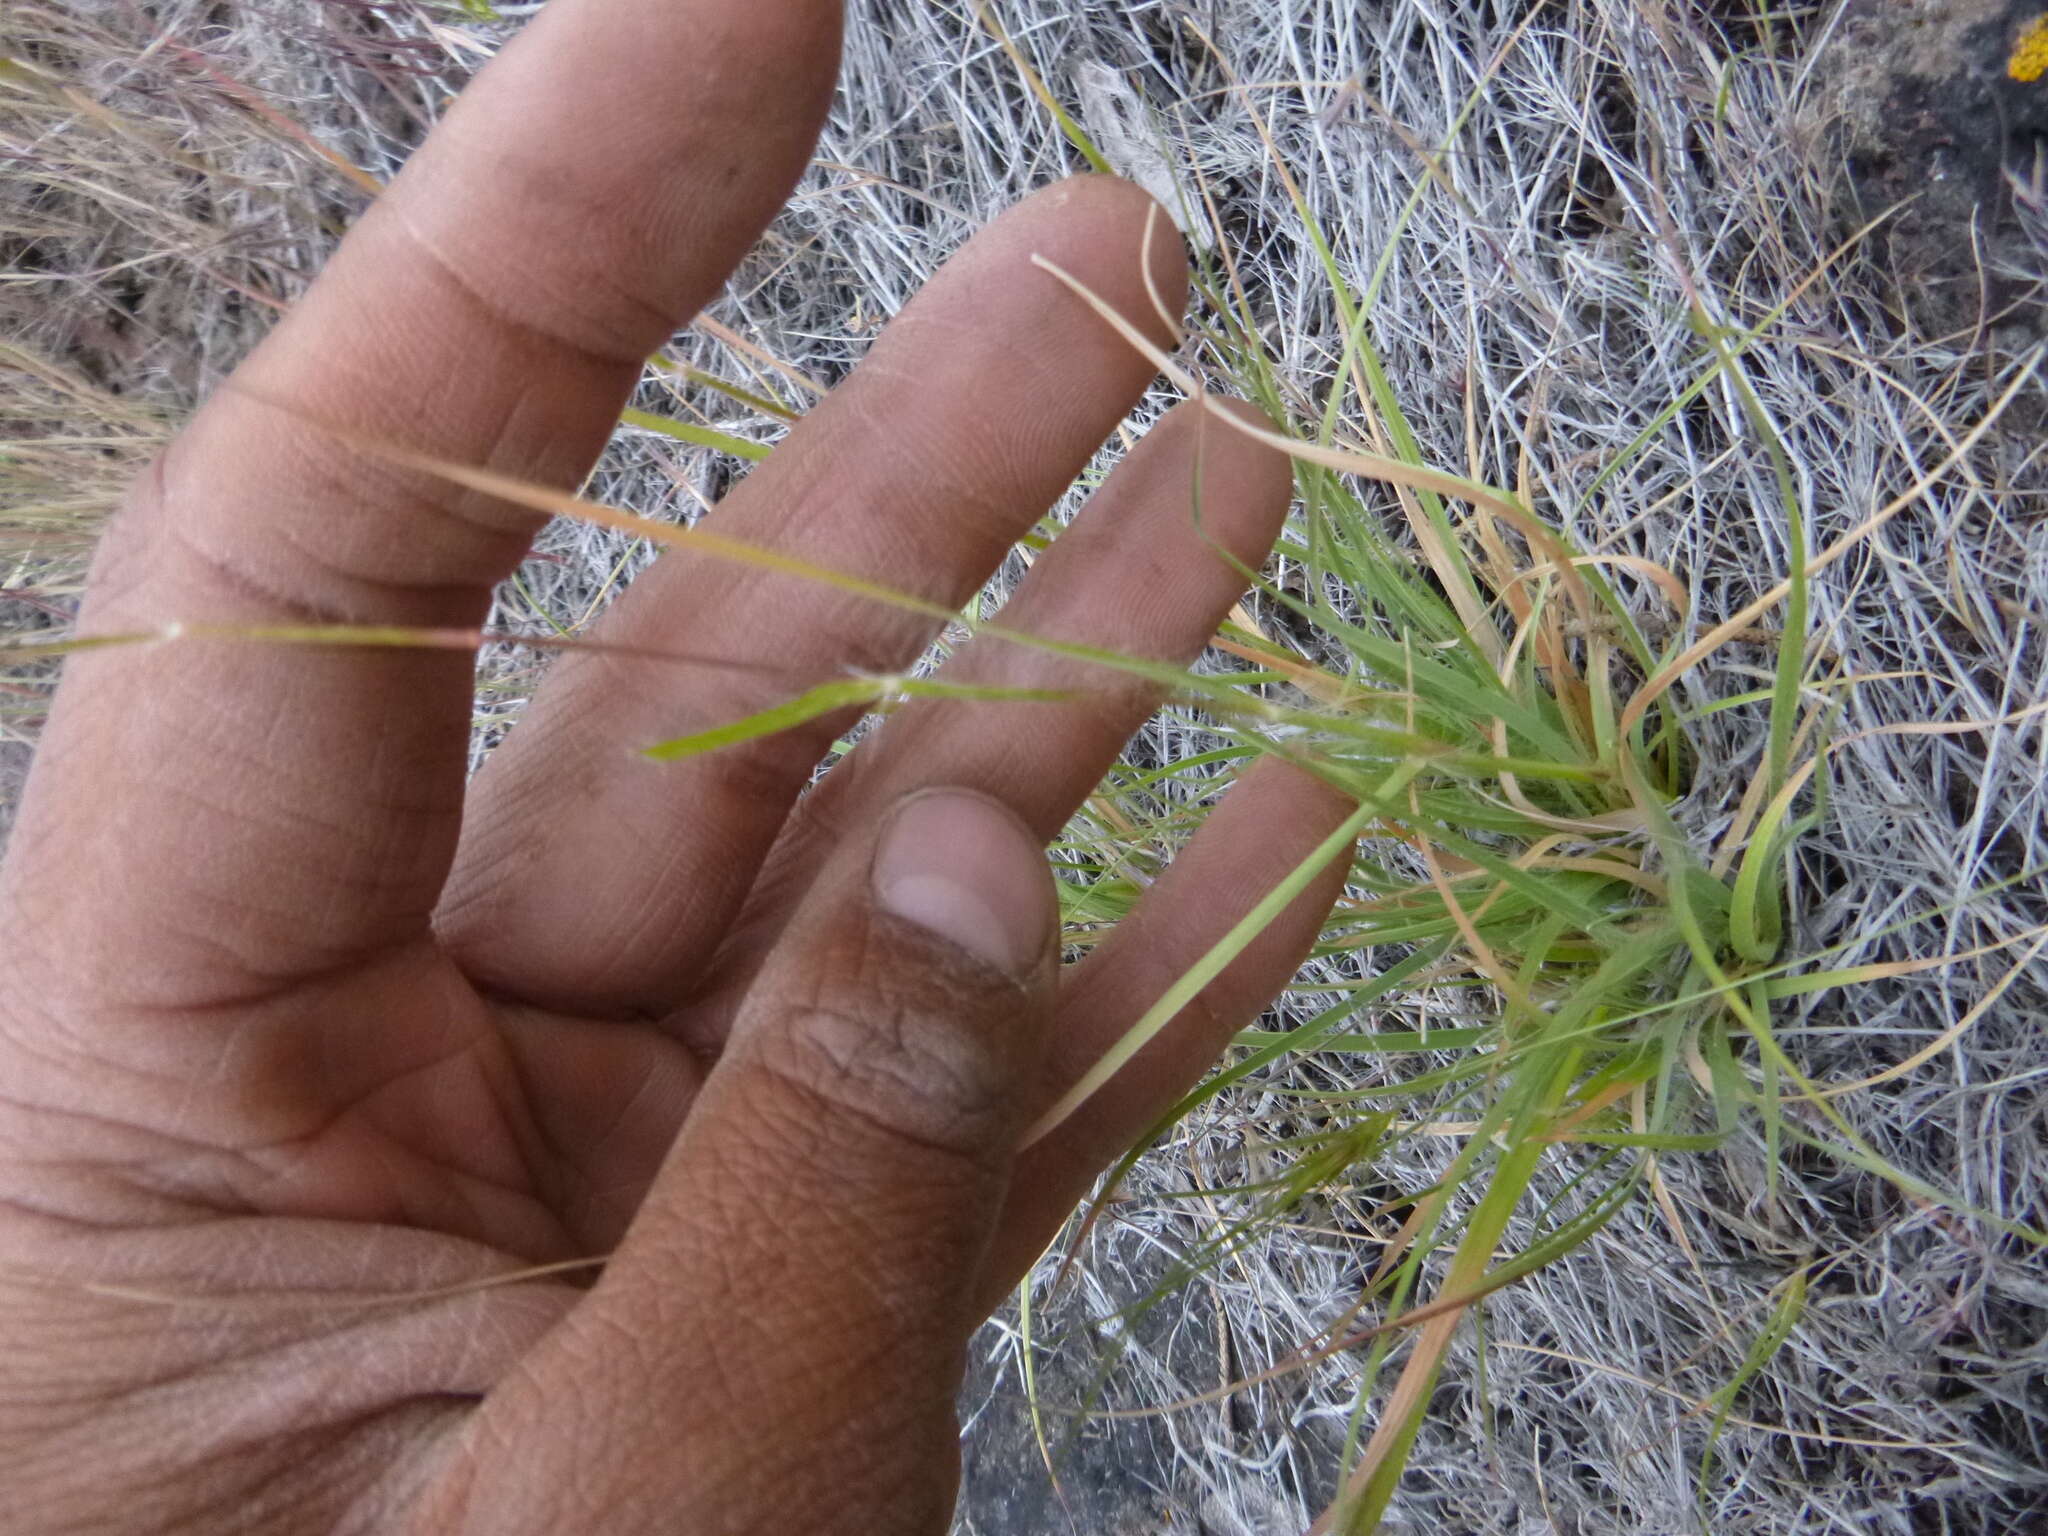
593, 880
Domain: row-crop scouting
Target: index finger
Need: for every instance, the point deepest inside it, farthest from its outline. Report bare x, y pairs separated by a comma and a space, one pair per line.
279, 812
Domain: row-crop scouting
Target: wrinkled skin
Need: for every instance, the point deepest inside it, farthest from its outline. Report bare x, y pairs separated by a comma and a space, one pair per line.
302, 1038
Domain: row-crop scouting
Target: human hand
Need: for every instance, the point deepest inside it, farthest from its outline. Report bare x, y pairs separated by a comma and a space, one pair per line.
307, 1048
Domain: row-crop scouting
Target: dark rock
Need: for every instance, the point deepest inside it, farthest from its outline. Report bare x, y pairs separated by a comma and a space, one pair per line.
1107, 1477
1927, 108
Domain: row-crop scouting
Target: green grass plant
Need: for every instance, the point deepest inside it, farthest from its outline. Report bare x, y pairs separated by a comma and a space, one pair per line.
1484, 692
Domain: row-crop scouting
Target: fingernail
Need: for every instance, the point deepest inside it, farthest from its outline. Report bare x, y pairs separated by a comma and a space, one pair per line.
962, 867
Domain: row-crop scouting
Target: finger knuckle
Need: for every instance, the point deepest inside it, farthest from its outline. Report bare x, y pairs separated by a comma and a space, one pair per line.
917, 1080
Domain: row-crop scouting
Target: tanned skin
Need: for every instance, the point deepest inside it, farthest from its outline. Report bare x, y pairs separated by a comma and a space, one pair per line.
306, 1043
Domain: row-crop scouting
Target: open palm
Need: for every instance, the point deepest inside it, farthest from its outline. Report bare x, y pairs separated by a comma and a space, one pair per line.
306, 1045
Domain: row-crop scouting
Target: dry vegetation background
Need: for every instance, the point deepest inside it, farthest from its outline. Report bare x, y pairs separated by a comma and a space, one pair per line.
173, 171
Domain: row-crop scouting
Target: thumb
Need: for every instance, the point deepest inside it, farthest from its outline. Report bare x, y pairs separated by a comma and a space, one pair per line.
778, 1342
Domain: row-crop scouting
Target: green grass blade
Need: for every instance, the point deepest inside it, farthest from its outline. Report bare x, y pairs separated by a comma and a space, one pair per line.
843, 693
702, 437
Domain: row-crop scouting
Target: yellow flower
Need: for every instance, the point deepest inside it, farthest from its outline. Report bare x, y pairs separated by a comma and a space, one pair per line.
2029, 59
